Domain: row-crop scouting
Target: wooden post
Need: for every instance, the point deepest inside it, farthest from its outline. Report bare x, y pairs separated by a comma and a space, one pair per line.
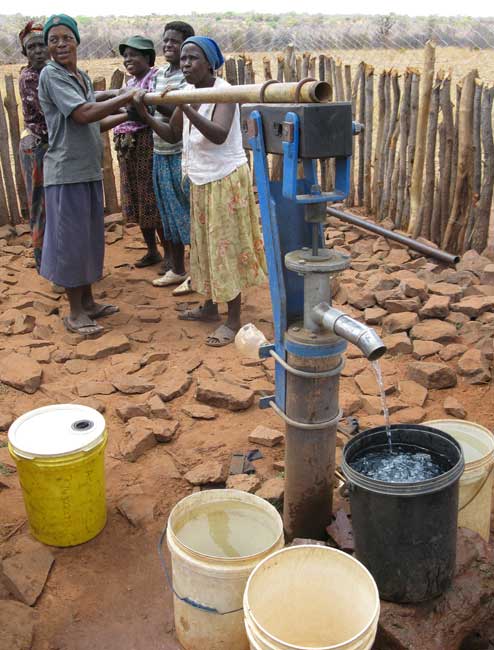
369, 108
351, 94
390, 146
412, 138
15, 136
455, 230
481, 226
117, 79
430, 230
241, 70
298, 68
266, 66
280, 72
290, 66
361, 136
445, 151
312, 67
109, 186
8, 177
4, 209
305, 64
414, 225
340, 88
477, 159
329, 76
402, 156
231, 71
250, 77
454, 156
322, 69
379, 144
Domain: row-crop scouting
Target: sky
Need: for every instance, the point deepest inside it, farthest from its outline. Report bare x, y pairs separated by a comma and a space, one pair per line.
476, 8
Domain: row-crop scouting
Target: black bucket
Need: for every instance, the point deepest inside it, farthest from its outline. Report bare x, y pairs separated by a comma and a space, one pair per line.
405, 533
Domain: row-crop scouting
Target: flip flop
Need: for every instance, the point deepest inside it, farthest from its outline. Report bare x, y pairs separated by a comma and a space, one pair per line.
197, 314
83, 330
184, 288
104, 310
223, 335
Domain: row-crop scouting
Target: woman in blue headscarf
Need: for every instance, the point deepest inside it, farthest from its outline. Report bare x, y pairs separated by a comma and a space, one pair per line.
227, 254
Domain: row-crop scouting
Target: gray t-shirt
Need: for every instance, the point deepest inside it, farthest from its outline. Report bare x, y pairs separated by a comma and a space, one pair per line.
75, 151
164, 78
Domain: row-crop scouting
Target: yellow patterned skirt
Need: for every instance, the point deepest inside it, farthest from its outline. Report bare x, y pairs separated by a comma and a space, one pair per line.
226, 247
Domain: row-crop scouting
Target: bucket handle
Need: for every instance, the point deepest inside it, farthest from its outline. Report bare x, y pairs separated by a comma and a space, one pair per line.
478, 491
186, 599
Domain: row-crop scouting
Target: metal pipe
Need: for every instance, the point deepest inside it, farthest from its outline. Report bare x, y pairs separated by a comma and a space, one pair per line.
351, 330
308, 93
428, 251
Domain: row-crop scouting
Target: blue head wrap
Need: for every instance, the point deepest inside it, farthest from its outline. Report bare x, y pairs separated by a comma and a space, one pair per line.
210, 48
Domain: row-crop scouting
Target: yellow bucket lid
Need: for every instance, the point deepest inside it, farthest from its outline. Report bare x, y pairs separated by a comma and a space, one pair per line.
56, 430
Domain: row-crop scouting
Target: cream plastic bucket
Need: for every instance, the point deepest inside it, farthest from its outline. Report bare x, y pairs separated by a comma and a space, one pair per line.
59, 452
475, 499
215, 583
311, 597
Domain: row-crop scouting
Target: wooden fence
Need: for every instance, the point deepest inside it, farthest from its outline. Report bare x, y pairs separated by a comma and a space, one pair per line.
425, 160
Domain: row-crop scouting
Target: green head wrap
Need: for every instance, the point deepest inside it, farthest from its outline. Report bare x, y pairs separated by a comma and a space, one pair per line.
60, 19
141, 43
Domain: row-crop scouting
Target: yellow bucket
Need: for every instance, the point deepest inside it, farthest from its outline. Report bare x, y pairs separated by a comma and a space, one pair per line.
59, 453
475, 499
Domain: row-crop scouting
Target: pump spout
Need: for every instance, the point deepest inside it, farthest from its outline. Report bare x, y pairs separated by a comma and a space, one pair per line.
334, 320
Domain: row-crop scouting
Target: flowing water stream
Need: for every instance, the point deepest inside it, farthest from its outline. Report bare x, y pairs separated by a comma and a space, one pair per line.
380, 382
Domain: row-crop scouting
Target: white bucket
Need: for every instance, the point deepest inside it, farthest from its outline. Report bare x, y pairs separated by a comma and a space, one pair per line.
213, 582
311, 597
475, 501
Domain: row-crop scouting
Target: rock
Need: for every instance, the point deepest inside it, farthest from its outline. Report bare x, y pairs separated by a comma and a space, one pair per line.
46, 306
262, 387
138, 509
76, 366
157, 408
451, 351
453, 407
244, 482
62, 355
152, 356
457, 319
13, 321
175, 383
25, 574
409, 415
113, 219
105, 346
388, 294
432, 375
165, 431
132, 385
473, 364
372, 404
397, 305
380, 281
453, 291
367, 383
41, 355
360, 298
139, 438
397, 344
397, 257
435, 307
142, 336
474, 305
6, 419
266, 437
401, 322
422, 349
149, 316
21, 372
199, 411
352, 367
220, 393
349, 402
412, 287
272, 490
16, 625
279, 465
473, 262
374, 315
209, 472
126, 411
487, 275
471, 332
92, 387
434, 330
93, 403
341, 532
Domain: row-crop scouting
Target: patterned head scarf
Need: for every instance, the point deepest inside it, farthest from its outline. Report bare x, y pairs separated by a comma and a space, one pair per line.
29, 31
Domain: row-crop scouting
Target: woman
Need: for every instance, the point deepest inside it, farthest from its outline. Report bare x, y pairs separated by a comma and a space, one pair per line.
172, 195
134, 145
34, 138
227, 253
74, 242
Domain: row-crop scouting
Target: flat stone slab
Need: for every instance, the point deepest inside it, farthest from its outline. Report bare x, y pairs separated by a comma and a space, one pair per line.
105, 346
25, 574
220, 393
16, 625
21, 372
266, 437
205, 473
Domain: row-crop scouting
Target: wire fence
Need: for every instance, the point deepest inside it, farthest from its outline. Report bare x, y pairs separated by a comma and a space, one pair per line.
397, 36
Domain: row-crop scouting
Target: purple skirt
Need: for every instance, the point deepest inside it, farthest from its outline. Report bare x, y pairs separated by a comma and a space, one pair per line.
74, 241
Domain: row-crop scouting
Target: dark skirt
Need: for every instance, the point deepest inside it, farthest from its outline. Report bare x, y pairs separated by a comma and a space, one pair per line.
136, 178
74, 241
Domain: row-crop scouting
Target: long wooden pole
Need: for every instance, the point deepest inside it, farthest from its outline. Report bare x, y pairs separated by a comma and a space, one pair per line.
310, 93
481, 225
109, 186
15, 136
369, 106
8, 178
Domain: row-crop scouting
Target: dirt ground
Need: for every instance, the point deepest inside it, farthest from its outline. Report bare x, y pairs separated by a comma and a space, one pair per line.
110, 593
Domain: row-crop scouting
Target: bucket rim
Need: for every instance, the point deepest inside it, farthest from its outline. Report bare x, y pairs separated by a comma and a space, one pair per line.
487, 459
239, 495
373, 619
417, 488
87, 442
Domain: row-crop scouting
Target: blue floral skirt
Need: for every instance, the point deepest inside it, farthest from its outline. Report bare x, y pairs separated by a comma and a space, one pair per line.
172, 197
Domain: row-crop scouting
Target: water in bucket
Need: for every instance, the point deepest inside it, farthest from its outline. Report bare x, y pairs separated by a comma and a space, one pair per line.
226, 529
400, 466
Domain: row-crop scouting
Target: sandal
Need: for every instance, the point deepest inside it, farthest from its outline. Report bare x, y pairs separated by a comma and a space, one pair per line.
83, 330
223, 335
199, 313
104, 310
184, 288
150, 259
169, 278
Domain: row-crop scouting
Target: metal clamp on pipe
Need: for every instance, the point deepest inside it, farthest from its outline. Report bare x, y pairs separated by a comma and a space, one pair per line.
364, 337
